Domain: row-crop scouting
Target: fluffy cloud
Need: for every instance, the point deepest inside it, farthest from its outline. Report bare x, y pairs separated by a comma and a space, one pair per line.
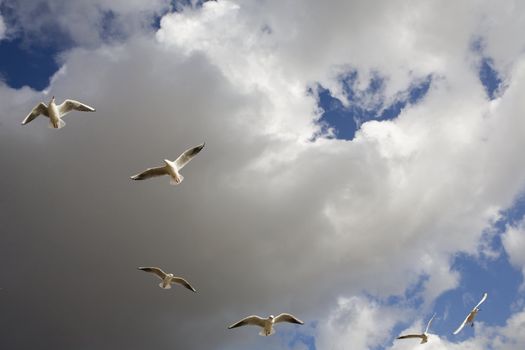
360, 322
266, 221
508, 337
514, 242
2, 28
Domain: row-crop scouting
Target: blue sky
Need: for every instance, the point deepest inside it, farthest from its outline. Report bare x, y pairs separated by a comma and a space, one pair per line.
409, 155
478, 274
26, 66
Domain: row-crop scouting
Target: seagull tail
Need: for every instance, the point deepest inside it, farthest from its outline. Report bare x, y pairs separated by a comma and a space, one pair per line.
263, 332
161, 285
61, 124
174, 182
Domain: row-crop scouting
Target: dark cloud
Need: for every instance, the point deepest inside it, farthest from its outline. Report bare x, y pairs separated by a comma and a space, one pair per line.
264, 222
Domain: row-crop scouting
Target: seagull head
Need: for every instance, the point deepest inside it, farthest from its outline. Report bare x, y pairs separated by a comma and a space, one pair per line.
271, 317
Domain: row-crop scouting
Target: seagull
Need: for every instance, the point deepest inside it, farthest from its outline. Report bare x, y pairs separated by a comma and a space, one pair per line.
167, 278
266, 323
55, 112
471, 315
171, 168
424, 336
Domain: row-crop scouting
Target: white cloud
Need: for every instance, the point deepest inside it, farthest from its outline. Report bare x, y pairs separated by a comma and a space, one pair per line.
358, 322
514, 242
508, 337
2, 28
262, 206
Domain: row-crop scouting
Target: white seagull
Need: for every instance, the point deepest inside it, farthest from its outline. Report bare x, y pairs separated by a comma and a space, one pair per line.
171, 168
424, 336
55, 112
471, 315
266, 323
167, 278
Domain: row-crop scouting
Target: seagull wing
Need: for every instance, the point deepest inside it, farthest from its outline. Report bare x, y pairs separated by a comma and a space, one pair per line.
69, 105
250, 320
429, 323
462, 325
150, 172
185, 157
485, 295
156, 270
410, 336
39, 109
287, 318
183, 282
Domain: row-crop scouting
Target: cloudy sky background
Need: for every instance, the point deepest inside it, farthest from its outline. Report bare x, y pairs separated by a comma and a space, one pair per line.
363, 169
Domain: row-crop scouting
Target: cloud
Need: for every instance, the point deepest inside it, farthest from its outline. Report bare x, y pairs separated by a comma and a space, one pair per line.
2, 28
360, 322
514, 243
509, 336
66, 23
265, 221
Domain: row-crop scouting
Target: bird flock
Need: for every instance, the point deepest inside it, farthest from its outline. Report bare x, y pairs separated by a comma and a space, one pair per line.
55, 113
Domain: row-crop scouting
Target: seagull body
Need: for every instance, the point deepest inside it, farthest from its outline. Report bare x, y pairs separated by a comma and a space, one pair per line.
471, 315
266, 323
167, 278
423, 336
171, 168
55, 112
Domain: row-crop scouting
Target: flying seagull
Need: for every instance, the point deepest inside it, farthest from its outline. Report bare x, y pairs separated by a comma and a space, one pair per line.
266, 323
424, 336
55, 112
171, 168
167, 278
471, 315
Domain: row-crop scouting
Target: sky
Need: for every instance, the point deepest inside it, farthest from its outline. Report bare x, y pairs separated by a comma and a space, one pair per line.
363, 170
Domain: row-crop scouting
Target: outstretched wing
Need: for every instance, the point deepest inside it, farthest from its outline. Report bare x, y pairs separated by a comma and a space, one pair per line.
69, 105
429, 323
287, 318
183, 282
39, 109
410, 336
482, 300
462, 325
249, 321
188, 155
150, 172
156, 270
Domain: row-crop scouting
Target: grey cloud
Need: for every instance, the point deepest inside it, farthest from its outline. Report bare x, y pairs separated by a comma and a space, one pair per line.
66, 23
264, 220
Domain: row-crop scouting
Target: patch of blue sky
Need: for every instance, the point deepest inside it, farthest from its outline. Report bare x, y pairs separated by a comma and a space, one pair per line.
29, 61
303, 338
342, 122
412, 299
513, 214
483, 274
26, 60
494, 276
21, 65
488, 75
